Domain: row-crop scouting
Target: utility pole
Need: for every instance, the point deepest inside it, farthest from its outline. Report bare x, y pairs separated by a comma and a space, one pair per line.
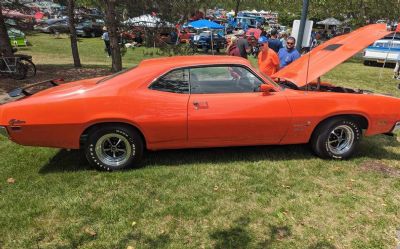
303, 20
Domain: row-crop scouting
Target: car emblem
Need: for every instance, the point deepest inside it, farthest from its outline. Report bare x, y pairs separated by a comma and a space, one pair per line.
14, 122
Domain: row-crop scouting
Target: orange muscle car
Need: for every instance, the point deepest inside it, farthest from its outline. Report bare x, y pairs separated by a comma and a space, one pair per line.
204, 101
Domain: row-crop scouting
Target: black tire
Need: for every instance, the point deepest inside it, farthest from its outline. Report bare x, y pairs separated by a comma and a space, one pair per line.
114, 147
336, 138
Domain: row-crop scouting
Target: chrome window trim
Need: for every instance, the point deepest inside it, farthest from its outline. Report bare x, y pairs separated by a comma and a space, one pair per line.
210, 65
166, 73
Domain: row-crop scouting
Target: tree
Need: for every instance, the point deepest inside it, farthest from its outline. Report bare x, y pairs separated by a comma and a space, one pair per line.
237, 7
112, 22
72, 30
5, 46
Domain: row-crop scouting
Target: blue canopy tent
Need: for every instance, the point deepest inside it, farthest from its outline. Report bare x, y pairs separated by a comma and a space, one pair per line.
205, 24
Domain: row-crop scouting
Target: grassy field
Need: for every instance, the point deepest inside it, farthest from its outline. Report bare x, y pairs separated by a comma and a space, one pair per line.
91, 51
248, 197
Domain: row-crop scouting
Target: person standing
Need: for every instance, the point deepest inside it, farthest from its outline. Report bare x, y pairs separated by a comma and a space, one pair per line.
274, 42
106, 38
232, 48
289, 54
242, 44
283, 38
268, 60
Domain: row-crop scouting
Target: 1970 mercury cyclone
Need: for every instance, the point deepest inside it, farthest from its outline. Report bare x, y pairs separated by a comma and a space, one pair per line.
205, 101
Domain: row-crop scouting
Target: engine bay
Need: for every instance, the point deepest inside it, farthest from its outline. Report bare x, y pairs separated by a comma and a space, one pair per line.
321, 87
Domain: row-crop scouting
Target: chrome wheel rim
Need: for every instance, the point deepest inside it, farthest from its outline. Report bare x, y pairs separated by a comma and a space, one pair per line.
114, 149
341, 139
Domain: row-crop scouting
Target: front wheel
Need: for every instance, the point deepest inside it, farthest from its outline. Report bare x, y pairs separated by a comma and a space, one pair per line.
336, 138
114, 147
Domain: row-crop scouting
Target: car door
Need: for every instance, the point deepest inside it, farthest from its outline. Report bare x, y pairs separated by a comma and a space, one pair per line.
226, 108
165, 110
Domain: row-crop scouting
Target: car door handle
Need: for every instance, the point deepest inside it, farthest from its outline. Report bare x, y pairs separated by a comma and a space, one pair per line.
200, 104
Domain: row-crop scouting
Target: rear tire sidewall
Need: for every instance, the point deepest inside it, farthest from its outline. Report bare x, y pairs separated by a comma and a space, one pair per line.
320, 139
131, 135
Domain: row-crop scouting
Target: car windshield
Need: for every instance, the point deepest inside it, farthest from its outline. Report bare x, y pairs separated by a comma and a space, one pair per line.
86, 23
388, 44
204, 34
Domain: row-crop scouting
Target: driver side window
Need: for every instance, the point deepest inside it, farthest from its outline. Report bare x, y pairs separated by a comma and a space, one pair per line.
223, 79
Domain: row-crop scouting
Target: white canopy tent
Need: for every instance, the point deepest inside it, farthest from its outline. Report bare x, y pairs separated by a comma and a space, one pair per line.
148, 21
330, 21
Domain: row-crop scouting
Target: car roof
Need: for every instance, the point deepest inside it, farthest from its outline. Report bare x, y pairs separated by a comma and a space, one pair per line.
150, 69
186, 61
396, 40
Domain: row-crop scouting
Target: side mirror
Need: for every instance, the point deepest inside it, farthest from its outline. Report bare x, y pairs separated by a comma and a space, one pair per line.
266, 88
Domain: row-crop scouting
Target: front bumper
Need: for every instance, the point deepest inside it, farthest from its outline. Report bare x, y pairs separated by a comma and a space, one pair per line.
4, 132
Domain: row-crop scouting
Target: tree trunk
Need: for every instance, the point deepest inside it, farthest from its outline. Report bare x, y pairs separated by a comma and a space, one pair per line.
112, 23
237, 7
72, 31
5, 46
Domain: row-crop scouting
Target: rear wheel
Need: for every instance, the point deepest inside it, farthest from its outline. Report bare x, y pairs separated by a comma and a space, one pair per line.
114, 147
336, 138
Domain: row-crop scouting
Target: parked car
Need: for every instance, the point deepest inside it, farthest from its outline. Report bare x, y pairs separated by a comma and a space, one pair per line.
53, 26
382, 51
185, 34
204, 101
90, 28
244, 21
208, 40
17, 37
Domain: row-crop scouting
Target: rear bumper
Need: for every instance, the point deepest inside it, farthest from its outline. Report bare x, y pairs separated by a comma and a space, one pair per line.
4, 132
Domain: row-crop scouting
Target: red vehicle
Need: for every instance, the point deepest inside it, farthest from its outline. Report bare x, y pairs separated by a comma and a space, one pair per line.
204, 101
185, 35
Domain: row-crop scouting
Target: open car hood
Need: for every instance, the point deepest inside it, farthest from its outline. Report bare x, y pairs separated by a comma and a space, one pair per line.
330, 54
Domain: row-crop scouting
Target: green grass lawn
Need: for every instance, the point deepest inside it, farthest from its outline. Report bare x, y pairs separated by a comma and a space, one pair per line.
247, 197
50, 49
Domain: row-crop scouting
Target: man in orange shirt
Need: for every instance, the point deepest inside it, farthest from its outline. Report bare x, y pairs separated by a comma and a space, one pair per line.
268, 60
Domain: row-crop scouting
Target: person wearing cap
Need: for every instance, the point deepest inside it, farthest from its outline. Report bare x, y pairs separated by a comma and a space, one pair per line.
268, 60
289, 54
274, 42
242, 44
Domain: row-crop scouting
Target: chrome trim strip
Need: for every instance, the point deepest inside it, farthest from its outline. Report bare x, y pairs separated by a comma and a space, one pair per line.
4, 132
396, 127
